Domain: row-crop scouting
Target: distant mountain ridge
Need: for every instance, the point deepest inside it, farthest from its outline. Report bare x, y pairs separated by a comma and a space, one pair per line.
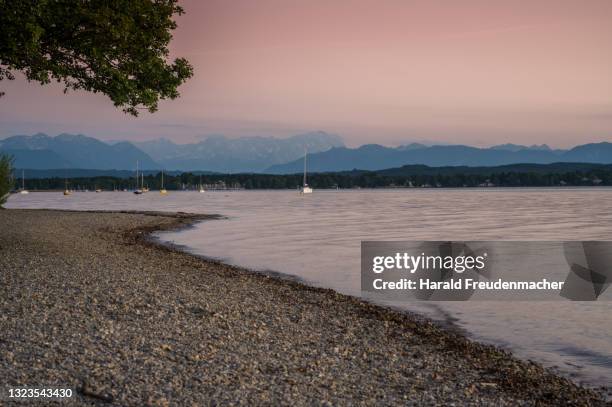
376, 157
231, 155
327, 153
41, 151
214, 153
518, 147
31, 173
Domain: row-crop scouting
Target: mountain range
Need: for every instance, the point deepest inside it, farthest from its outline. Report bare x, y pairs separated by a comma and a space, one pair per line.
244, 154
214, 153
73, 151
376, 157
326, 153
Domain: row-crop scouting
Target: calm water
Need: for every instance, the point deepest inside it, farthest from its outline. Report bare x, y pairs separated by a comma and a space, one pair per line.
317, 238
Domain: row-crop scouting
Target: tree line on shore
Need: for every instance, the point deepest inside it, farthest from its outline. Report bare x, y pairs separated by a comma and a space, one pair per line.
5, 178
354, 179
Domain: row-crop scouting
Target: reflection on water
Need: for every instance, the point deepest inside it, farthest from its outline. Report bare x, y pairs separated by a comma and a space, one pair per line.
318, 237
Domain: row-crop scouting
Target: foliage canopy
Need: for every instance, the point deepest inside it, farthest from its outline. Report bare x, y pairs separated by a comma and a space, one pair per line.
5, 177
118, 48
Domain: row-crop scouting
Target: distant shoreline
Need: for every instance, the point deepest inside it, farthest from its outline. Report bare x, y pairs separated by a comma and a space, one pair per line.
407, 176
557, 187
143, 322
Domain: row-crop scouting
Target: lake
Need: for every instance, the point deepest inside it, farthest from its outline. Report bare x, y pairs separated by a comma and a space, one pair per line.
317, 239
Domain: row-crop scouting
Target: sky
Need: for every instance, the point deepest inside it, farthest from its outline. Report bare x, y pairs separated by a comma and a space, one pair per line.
479, 72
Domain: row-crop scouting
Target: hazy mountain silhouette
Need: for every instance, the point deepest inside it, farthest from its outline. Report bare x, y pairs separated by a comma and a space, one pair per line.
519, 147
377, 157
590, 153
41, 151
36, 159
230, 155
327, 153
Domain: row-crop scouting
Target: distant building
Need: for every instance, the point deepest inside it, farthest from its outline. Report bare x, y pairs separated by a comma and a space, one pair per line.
487, 184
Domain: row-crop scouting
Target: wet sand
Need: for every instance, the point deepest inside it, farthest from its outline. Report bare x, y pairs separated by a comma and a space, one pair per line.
87, 301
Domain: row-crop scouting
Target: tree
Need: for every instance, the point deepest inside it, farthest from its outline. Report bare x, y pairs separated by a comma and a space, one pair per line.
5, 177
118, 48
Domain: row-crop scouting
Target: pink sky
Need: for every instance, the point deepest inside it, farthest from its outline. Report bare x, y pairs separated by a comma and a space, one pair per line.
477, 72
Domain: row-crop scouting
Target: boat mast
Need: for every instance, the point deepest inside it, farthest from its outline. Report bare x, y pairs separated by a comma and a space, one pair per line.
23, 179
162, 179
136, 174
305, 154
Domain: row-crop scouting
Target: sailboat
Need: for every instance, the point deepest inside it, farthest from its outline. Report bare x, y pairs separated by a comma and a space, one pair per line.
137, 191
163, 190
305, 188
23, 190
66, 190
202, 190
144, 189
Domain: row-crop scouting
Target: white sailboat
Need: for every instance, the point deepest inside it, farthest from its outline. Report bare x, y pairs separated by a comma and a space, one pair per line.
202, 190
137, 191
162, 189
305, 188
23, 190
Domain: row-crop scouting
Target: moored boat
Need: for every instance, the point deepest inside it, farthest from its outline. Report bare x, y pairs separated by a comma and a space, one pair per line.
305, 188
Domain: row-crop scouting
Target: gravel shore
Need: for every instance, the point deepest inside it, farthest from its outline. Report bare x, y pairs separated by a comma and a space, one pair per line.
88, 302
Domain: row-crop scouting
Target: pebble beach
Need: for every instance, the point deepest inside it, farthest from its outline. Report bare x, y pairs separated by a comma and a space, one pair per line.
89, 301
